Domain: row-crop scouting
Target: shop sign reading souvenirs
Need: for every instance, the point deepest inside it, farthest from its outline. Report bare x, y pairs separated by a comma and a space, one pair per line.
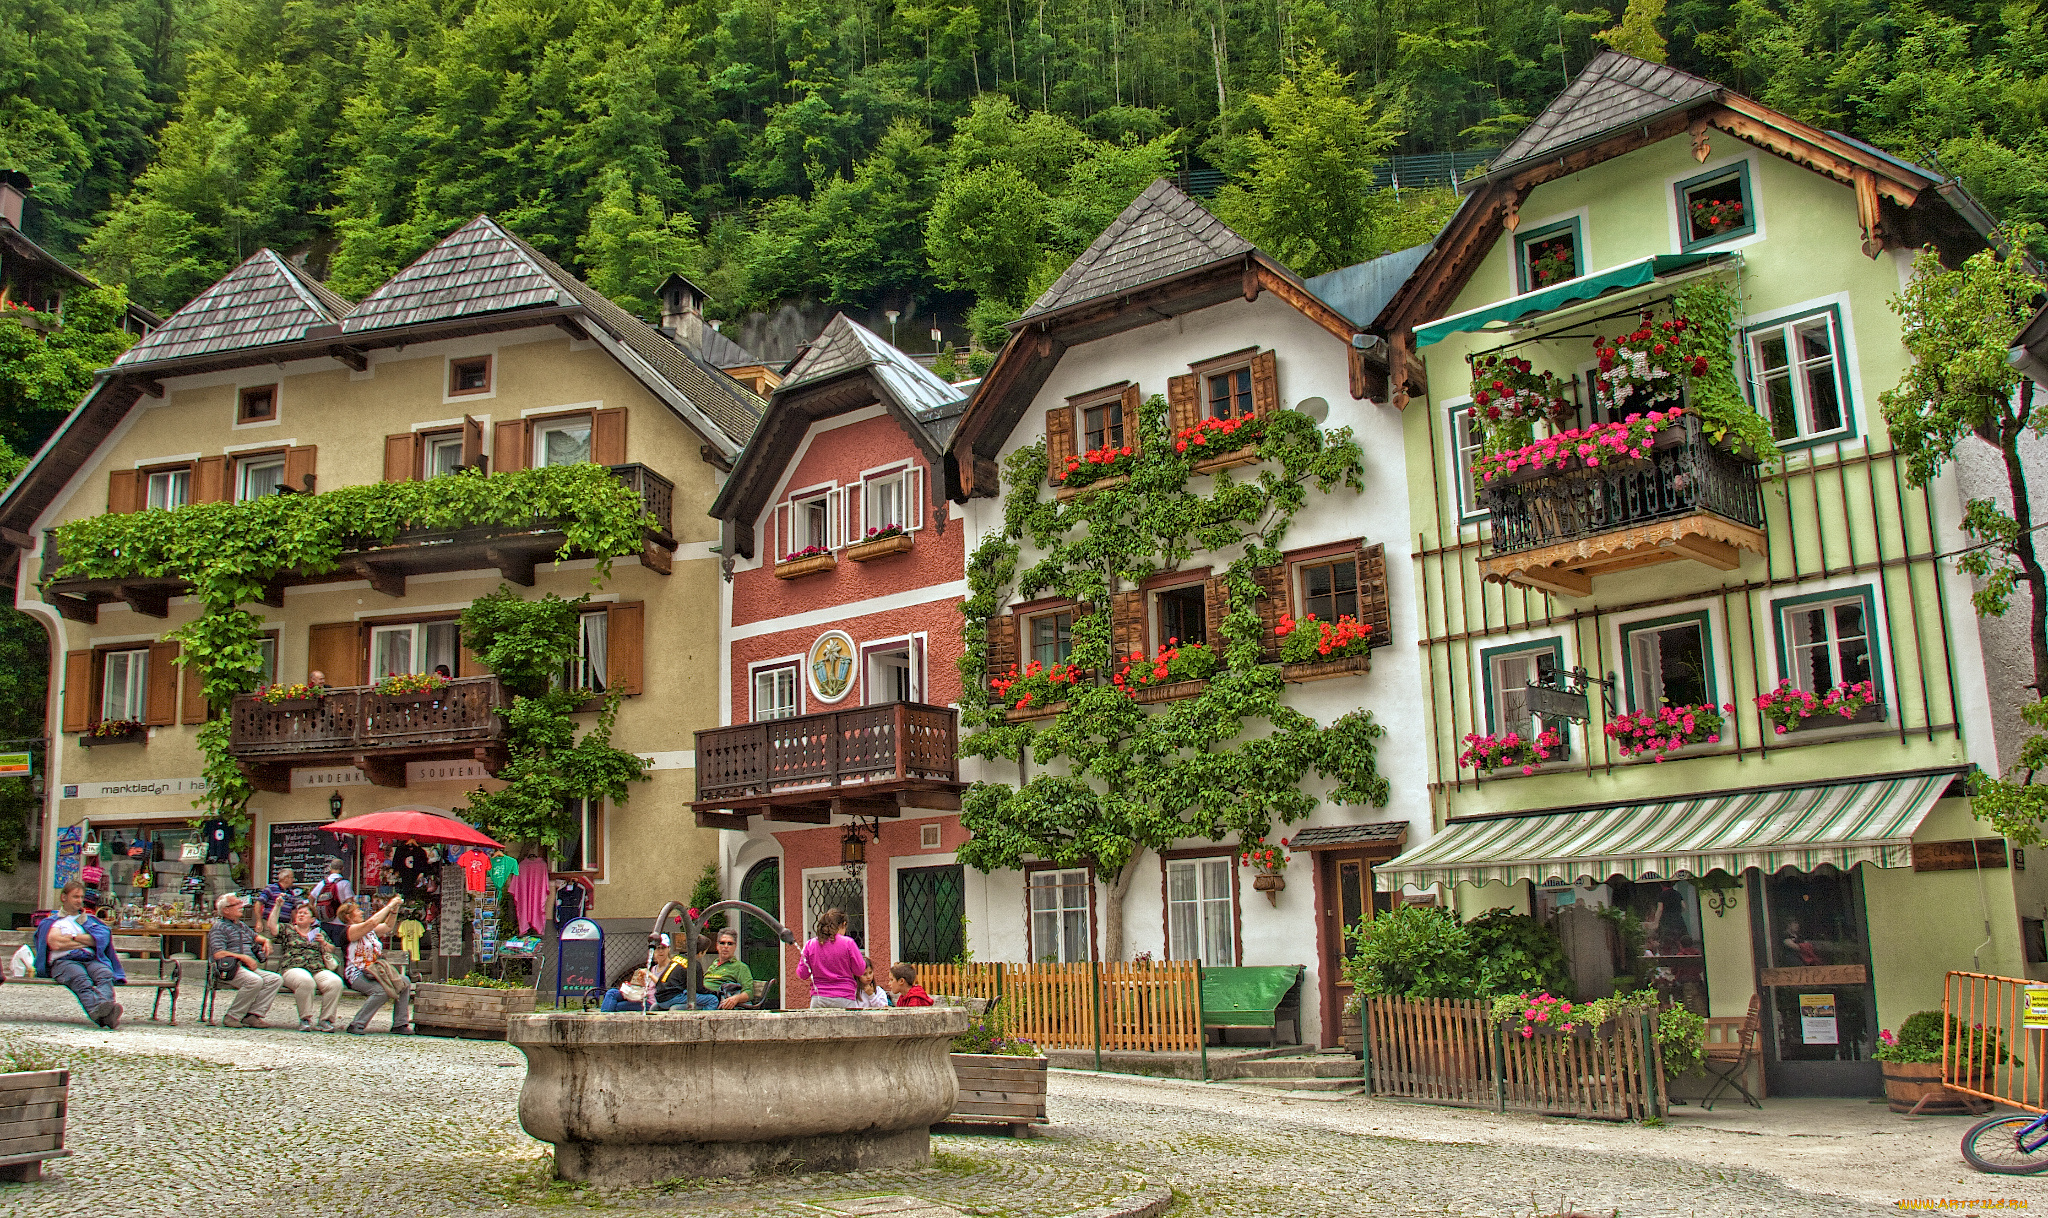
830, 665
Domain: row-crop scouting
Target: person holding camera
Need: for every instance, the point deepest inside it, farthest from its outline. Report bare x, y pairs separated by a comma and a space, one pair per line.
369, 975
238, 953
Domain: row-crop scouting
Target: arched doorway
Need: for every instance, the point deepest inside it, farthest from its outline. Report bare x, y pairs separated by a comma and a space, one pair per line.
759, 947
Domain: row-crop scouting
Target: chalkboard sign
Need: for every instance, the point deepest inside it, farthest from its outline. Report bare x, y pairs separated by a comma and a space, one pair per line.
449, 936
579, 963
305, 848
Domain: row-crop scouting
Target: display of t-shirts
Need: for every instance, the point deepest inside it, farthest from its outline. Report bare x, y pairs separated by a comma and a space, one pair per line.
570, 900
476, 871
503, 868
217, 837
409, 932
530, 895
411, 863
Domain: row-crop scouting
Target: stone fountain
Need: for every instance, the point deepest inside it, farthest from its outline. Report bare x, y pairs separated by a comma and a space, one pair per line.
640, 1097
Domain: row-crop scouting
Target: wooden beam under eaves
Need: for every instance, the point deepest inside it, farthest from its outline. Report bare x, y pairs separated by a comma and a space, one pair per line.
357, 361
722, 820
800, 814
384, 578
148, 600
514, 564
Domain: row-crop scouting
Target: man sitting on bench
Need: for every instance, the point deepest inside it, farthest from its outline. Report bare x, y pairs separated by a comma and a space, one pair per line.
77, 950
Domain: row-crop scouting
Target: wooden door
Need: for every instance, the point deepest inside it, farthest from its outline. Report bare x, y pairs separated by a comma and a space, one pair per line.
1344, 899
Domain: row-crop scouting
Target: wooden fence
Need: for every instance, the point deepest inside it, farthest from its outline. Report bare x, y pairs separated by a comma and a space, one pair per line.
1447, 1051
1144, 1007
1987, 1021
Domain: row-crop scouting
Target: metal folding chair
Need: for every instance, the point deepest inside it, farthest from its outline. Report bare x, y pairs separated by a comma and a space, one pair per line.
1728, 1065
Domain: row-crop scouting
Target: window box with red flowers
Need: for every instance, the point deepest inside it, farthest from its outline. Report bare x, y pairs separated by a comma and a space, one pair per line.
880, 543
1509, 751
1038, 691
296, 696
29, 317
1647, 365
1175, 672
1667, 729
1221, 443
410, 687
1312, 650
1791, 709
808, 561
1100, 468
112, 731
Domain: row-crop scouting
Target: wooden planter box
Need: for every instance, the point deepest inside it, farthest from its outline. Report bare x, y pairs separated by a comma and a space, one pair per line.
463, 1010
1045, 711
1353, 1032
1064, 493
91, 741
1242, 456
880, 547
294, 704
411, 699
32, 1105
1324, 670
1010, 1090
1874, 713
1172, 691
1916, 1087
797, 568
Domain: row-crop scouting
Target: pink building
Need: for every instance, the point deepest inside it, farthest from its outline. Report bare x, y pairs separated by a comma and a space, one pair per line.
836, 776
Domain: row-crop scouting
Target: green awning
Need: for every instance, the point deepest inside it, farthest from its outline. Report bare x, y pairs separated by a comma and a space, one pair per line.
1842, 823
1585, 287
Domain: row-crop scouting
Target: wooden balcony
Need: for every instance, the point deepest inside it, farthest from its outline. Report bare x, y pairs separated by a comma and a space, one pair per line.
515, 551
1687, 499
378, 733
863, 761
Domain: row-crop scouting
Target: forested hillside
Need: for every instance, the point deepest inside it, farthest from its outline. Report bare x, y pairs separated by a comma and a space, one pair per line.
841, 148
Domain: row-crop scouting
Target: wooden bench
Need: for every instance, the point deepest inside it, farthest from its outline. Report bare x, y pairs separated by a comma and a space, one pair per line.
128, 947
1256, 996
32, 1110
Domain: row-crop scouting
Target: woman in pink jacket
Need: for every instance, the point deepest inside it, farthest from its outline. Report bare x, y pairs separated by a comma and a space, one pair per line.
832, 963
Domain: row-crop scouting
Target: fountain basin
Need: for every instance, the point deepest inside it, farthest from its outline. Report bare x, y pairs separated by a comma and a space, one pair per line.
634, 1099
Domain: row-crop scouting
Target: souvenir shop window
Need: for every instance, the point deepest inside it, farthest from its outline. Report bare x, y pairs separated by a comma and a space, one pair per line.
1671, 958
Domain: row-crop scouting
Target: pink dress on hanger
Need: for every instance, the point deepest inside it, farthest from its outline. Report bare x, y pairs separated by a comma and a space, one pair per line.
530, 891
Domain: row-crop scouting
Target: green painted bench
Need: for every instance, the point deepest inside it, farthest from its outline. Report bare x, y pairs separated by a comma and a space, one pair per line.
1256, 996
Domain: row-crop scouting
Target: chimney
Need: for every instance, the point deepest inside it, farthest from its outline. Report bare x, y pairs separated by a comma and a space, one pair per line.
682, 313
13, 193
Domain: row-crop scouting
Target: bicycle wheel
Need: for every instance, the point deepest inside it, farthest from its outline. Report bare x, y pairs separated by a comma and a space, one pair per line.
1995, 1145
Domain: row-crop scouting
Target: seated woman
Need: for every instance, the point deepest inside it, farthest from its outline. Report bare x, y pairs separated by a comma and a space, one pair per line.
366, 948
307, 959
669, 981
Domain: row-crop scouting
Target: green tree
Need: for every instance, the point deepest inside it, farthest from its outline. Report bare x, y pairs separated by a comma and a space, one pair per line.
632, 244
46, 372
987, 232
1637, 34
1307, 195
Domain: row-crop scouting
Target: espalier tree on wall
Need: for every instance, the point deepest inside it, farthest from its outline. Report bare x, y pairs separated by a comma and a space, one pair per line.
1117, 776
229, 552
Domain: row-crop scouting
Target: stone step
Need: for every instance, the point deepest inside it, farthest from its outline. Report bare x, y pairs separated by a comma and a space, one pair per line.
1302, 1084
1318, 1066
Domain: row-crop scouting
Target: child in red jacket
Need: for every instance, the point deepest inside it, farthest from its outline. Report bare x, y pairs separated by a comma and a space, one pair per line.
903, 988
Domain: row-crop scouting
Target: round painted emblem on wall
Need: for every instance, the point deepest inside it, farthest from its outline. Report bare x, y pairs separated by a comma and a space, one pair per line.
831, 665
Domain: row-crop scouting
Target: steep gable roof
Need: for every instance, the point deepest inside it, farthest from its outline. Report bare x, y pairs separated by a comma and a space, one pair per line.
478, 268
264, 300
1161, 234
1613, 91
844, 346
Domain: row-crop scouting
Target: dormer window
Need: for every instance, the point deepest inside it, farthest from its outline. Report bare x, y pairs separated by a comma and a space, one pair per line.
1716, 207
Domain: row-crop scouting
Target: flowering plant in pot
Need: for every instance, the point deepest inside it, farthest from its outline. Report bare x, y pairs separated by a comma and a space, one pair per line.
1270, 859
294, 692
1551, 262
1530, 1014
1509, 396
1493, 752
1628, 440
1787, 706
1717, 215
1218, 436
1666, 729
1036, 682
108, 728
1095, 465
1309, 641
412, 683
1194, 662
882, 531
1647, 365
806, 552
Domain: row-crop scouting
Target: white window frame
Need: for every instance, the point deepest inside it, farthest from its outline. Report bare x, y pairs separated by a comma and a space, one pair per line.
906, 483
1834, 311
775, 671
542, 428
1205, 871
435, 442
265, 644
883, 653
244, 466
418, 658
134, 684
586, 675
1066, 885
1869, 597
790, 538
1462, 444
178, 478
1495, 705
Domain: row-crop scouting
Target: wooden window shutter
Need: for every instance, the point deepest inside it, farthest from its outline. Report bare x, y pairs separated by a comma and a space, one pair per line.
1002, 644
1265, 383
608, 436
1126, 625
80, 704
336, 648
1130, 412
469, 664
1059, 441
1215, 607
1272, 604
625, 647
1374, 609
160, 704
300, 470
193, 704
1183, 402
124, 490
210, 480
472, 443
511, 443
402, 457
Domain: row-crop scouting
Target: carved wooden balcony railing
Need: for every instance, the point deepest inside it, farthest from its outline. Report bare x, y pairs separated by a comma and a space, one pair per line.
515, 551
863, 761
379, 733
1686, 499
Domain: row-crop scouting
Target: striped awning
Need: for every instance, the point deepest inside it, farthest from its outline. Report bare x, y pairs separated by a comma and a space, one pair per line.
1844, 823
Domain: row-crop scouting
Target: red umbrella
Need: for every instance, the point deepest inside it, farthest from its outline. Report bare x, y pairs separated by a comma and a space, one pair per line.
418, 824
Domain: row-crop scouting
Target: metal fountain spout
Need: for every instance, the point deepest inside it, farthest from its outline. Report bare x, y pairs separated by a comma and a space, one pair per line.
695, 926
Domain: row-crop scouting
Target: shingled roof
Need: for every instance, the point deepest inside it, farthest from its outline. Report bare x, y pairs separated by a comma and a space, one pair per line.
1613, 91
264, 300
1161, 234
847, 346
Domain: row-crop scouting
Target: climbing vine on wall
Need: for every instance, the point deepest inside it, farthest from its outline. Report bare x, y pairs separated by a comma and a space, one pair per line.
1118, 776
230, 552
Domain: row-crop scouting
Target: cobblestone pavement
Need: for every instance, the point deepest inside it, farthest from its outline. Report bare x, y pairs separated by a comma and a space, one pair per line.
204, 1121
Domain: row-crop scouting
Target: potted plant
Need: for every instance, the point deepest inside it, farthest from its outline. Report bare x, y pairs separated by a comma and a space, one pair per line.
1215, 444
1717, 215
807, 561
1551, 262
411, 687
1646, 366
1037, 691
1592, 446
1667, 729
113, 731
880, 542
1175, 672
1912, 1067
296, 696
1104, 466
34, 1096
1002, 1077
1509, 397
475, 1006
1271, 865
1792, 709
1507, 749
1312, 650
